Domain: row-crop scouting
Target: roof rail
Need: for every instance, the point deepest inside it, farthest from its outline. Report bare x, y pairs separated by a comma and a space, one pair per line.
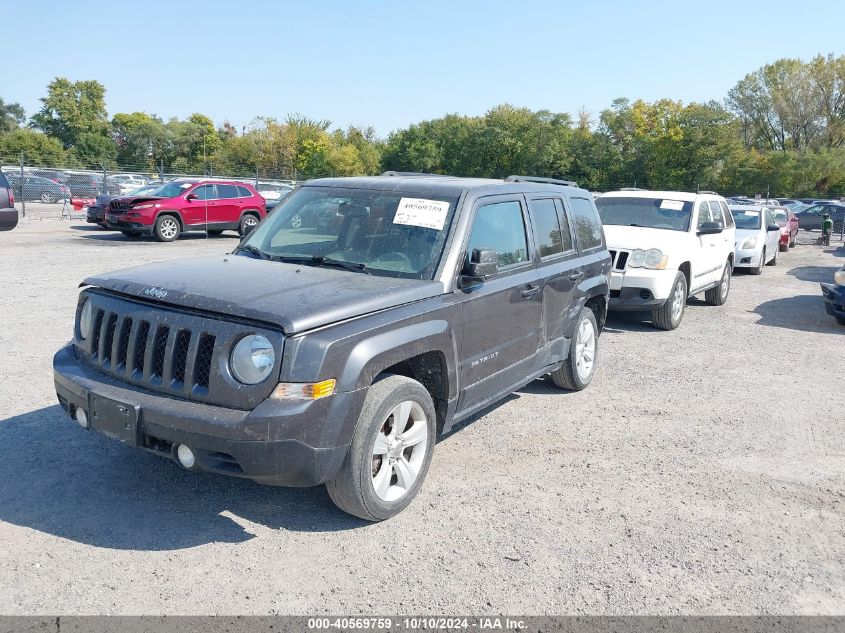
550, 181
632, 189
412, 173
713, 193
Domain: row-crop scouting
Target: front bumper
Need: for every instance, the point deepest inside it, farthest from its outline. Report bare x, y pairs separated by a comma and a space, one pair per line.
640, 288
747, 257
834, 299
118, 223
248, 444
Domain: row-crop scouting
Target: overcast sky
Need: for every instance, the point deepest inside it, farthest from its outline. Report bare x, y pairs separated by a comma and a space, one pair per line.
388, 64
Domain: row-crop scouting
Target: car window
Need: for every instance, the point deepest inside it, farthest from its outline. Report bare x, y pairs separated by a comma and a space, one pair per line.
587, 224
726, 213
816, 209
566, 233
500, 226
205, 192
716, 212
243, 192
544, 214
703, 213
227, 191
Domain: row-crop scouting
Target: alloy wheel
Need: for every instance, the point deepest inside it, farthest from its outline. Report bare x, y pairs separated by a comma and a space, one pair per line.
678, 300
399, 451
585, 349
726, 282
168, 228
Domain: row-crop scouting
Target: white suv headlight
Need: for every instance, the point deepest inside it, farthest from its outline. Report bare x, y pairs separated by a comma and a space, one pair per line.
252, 359
839, 277
652, 258
749, 242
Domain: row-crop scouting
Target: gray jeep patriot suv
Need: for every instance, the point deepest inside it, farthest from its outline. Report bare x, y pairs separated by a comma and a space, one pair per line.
359, 321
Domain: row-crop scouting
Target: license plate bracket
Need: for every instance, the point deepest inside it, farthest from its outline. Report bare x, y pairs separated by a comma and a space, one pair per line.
115, 419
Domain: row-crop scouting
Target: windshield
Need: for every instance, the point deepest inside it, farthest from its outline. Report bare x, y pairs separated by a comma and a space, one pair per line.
144, 189
780, 215
169, 189
746, 218
389, 234
653, 213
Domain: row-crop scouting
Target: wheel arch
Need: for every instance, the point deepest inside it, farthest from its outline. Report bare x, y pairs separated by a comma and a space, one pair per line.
172, 212
686, 268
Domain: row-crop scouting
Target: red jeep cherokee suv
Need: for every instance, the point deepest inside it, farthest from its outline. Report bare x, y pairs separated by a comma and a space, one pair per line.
188, 204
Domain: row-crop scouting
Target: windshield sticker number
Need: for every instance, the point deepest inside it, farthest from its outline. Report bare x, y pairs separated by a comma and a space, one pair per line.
751, 214
428, 214
672, 205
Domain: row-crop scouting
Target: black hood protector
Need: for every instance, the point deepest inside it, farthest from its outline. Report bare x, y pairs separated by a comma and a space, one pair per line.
291, 296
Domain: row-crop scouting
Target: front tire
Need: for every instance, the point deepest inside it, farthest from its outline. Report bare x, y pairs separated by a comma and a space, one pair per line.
167, 228
718, 295
248, 222
774, 260
47, 197
576, 372
759, 269
390, 452
669, 315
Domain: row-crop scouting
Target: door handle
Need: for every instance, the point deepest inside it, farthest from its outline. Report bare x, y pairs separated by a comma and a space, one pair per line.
576, 276
530, 291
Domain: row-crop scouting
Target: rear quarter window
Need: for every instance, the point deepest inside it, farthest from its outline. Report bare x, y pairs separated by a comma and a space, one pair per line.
3, 181
588, 229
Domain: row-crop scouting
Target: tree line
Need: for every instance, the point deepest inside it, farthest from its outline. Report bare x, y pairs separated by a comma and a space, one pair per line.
780, 129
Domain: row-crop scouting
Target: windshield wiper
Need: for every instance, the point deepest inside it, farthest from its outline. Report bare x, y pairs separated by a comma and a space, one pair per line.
249, 248
328, 261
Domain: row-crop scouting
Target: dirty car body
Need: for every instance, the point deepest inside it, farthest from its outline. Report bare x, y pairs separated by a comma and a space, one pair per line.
155, 367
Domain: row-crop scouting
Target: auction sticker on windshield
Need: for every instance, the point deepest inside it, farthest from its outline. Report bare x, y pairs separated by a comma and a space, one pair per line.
428, 214
672, 205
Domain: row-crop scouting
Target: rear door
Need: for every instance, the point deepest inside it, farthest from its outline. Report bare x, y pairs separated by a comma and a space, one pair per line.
558, 264
228, 207
500, 325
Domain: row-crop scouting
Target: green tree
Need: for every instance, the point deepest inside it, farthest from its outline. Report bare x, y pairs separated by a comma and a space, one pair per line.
72, 109
37, 148
141, 139
12, 116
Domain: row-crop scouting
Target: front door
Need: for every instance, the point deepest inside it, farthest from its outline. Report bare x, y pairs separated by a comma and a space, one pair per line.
501, 316
707, 267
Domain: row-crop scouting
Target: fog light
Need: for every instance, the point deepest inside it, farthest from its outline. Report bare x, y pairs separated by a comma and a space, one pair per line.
185, 456
80, 416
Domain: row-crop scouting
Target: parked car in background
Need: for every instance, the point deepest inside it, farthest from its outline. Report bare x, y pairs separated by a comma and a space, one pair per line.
666, 247
811, 217
272, 190
35, 188
188, 204
8, 212
757, 238
128, 182
834, 296
788, 224
50, 174
785, 202
84, 185
332, 358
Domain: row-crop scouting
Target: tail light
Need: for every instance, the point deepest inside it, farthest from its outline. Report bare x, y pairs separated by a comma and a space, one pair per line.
11, 197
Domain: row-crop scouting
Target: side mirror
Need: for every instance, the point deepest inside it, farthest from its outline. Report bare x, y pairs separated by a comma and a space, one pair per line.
710, 228
773, 227
191, 196
483, 263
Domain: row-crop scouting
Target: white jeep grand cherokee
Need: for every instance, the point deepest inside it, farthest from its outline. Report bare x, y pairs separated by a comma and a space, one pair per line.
667, 246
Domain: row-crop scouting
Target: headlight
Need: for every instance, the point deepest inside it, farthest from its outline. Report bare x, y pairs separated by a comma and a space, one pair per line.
145, 206
252, 359
750, 242
85, 320
652, 258
839, 277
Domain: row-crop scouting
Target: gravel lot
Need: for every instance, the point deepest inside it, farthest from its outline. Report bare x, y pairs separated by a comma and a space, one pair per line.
702, 472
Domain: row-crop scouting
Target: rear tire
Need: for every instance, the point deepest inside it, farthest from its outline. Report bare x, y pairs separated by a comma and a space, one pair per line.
669, 315
379, 459
167, 228
248, 222
719, 295
784, 247
576, 372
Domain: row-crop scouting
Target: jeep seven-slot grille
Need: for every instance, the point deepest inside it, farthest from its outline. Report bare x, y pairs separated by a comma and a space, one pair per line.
126, 346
